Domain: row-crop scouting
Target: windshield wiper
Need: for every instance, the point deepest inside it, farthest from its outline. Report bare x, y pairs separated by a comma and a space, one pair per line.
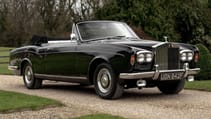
107, 38
132, 38
116, 37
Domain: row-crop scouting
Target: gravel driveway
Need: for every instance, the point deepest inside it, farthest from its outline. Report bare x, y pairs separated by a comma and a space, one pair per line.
144, 104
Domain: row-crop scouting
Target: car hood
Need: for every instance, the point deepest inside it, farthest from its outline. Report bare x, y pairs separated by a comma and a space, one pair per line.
146, 44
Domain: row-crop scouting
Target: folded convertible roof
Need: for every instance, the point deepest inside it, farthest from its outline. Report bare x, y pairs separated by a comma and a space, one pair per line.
38, 40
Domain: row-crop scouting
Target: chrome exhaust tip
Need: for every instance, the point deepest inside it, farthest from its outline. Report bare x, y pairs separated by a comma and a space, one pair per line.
141, 83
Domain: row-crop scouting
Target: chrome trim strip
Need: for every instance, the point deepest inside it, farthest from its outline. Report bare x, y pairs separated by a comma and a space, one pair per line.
143, 52
193, 71
185, 51
60, 41
159, 44
13, 68
136, 75
59, 76
155, 74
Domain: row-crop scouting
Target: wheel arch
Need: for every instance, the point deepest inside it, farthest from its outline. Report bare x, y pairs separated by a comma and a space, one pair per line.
93, 65
23, 62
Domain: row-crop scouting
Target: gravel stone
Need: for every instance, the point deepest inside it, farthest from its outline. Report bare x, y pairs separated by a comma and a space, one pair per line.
134, 104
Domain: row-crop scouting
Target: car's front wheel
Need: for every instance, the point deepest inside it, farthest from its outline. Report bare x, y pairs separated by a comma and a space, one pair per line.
29, 80
171, 87
106, 83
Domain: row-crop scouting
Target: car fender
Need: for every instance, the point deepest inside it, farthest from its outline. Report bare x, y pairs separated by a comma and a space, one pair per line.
24, 60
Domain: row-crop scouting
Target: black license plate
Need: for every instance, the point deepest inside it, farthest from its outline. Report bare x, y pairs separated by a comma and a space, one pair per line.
172, 76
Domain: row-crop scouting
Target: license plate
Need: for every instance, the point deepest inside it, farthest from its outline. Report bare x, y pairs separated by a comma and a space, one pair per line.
172, 76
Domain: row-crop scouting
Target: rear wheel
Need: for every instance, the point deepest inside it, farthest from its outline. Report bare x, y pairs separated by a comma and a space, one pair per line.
29, 80
106, 83
171, 87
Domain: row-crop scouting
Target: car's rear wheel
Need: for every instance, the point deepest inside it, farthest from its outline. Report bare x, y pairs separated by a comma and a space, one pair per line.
106, 83
171, 87
29, 80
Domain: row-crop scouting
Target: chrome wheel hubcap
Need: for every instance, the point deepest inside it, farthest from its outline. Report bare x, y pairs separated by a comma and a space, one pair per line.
28, 75
104, 80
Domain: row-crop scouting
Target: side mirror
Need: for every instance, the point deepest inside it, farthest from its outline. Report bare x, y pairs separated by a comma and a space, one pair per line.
73, 37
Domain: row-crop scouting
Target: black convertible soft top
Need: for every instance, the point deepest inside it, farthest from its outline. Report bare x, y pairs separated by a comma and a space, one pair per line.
38, 40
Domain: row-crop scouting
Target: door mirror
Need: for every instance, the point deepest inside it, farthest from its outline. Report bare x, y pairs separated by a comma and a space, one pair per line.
73, 37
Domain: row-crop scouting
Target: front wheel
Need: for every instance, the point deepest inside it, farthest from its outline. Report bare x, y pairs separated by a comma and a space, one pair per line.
171, 87
29, 80
106, 83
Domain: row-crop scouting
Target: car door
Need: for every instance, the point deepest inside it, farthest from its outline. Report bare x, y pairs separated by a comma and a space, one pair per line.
60, 59
84, 55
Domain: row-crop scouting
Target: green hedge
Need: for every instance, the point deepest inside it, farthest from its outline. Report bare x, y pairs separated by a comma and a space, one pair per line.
204, 63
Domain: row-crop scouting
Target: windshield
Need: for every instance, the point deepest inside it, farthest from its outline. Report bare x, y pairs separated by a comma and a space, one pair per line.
97, 30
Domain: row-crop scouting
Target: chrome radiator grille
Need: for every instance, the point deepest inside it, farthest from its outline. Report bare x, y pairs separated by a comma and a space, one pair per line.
167, 57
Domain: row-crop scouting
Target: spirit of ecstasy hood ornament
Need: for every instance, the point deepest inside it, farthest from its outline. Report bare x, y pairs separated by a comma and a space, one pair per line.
165, 38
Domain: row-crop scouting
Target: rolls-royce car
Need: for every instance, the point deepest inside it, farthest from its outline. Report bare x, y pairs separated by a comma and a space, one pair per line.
108, 55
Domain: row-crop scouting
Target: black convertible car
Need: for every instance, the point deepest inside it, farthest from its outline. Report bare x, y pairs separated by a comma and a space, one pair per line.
109, 55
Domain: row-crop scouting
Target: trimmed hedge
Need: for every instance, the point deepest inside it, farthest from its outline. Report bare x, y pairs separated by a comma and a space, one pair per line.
204, 63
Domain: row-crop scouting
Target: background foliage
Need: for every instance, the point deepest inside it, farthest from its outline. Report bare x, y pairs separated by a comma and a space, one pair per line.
20, 19
204, 63
181, 20
185, 21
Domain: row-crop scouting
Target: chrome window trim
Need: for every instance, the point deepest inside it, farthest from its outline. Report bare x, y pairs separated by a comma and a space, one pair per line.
78, 32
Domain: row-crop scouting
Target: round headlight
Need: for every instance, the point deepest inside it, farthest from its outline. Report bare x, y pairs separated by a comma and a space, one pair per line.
190, 56
148, 57
140, 58
183, 56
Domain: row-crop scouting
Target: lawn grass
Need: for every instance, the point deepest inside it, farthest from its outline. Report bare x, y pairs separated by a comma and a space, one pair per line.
4, 69
199, 85
99, 116
5, 48
5, 59
4, 51
11, 101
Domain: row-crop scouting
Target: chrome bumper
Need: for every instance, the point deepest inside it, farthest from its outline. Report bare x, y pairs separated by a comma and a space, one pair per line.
155, 74
13, 68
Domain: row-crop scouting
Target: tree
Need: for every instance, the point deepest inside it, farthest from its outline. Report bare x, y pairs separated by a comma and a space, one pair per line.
182, 21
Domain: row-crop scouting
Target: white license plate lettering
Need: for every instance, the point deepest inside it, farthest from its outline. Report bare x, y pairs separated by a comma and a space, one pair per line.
172, 76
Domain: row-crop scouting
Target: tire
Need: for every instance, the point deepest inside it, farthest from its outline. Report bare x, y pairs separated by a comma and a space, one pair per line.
28, 77
106, 83
171, 87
